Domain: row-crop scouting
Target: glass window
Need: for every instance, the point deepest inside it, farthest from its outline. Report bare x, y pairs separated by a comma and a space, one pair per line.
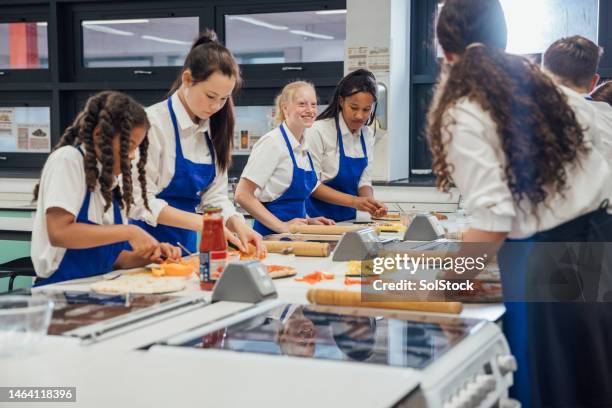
535, 24
24, 46
158, 42
25, 129
304, 36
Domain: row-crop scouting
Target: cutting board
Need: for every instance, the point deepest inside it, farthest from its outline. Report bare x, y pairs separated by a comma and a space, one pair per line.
139, 284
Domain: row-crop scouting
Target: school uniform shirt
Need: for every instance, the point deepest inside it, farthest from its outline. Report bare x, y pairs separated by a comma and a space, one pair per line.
478, 159
62, 185
161, 160
270, 166
322, 140
604, 123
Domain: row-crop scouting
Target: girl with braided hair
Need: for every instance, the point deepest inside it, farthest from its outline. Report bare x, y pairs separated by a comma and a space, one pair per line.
518, 149
85, 192
190, 150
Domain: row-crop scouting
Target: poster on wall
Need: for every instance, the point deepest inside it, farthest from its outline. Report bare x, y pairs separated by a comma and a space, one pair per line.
6, 123
25, 130
375, 59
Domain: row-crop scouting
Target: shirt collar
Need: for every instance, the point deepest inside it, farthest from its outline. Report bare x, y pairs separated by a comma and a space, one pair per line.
298, 147
344, 127
182, 117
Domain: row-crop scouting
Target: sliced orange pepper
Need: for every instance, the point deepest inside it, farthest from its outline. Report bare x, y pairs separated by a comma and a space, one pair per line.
316, 276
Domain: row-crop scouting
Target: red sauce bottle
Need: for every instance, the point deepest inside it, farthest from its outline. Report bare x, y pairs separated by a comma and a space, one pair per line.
213, 248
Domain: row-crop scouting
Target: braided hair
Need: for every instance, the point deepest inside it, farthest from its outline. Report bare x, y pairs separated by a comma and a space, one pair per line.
114, 114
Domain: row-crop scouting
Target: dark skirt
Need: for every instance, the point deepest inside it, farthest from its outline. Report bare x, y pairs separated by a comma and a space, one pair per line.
559, 315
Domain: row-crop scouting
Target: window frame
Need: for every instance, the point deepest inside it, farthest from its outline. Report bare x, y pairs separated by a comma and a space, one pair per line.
139, 74
277, 74
15, 14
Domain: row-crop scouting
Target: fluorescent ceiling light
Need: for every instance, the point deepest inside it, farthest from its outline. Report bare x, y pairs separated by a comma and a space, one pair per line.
257, 22
109, 22
164, 40
313, 35
324, 12
108, 30
41, 24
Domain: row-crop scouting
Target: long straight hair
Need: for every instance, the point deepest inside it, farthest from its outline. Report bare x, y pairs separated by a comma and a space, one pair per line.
206, 57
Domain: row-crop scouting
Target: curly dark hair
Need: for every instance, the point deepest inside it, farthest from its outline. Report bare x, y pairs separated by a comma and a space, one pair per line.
538, 130
114, 114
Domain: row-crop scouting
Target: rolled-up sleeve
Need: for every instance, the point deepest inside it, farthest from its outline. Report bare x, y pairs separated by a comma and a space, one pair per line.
216, 196
154, 164
477, 168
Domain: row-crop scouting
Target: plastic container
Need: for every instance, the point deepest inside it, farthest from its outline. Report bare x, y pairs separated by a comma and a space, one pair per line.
24, 321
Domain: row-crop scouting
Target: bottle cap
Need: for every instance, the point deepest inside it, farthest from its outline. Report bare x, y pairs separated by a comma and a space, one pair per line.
212, 210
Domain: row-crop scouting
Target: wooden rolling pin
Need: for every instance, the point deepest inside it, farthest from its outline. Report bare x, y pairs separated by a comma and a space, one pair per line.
346, 298
298, 248
323, 229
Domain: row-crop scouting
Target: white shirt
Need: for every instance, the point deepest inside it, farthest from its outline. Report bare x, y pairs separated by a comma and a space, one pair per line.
323, 145
478, 160
161, 158
270, 166
62, 185
604, 123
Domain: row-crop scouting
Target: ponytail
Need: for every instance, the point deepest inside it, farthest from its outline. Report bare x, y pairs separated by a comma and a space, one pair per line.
537, 129
206, 57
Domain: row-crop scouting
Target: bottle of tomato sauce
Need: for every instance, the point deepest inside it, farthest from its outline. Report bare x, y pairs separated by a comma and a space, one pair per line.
213, 248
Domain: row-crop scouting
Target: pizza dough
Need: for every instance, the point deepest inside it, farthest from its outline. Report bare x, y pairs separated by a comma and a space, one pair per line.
280, 271
141, 284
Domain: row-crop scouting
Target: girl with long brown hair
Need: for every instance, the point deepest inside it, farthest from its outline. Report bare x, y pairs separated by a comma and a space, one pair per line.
190, 150
520, 153
79, 227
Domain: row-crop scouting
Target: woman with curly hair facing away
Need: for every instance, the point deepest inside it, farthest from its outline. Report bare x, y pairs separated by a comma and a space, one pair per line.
520, 153
80, 225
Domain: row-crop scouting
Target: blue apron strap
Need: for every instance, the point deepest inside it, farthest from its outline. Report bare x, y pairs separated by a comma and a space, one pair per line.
312, 165
340, 142
363, 146
84, 211
211, 148
117, 218
177, 139
288, 145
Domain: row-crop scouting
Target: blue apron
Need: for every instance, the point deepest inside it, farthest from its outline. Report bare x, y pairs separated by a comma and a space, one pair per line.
83, 263
347, 181
292, 203
559, 337
190, 180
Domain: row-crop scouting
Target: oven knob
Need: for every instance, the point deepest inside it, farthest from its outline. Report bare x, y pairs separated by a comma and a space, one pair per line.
507, 364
